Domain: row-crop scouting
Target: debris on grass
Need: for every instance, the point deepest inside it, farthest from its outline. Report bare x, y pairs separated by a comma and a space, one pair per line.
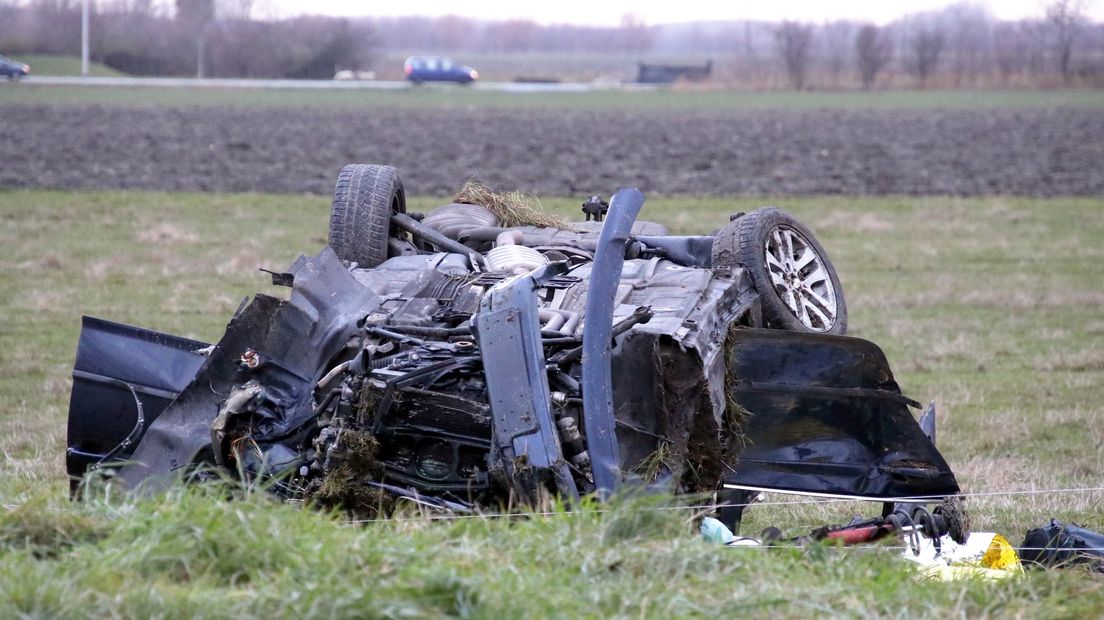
984, 555
1058, 544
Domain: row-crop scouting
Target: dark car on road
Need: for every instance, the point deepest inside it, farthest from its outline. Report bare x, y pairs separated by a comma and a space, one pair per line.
13, 69
437, 69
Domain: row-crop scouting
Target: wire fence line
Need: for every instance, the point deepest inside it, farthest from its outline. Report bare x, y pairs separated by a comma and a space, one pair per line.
714, 506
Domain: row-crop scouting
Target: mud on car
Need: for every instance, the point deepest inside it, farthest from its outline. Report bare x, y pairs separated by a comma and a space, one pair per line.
485, 355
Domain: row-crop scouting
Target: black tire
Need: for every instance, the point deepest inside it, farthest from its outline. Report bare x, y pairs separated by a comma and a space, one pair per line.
795, 295
360, 218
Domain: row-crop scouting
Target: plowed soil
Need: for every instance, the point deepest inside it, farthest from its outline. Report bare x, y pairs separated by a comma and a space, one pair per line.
561, 153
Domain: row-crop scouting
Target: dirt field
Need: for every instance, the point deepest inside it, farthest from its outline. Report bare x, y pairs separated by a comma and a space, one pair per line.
560, 153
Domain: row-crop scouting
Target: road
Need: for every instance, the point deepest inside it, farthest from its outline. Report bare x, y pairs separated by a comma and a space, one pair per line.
514, 87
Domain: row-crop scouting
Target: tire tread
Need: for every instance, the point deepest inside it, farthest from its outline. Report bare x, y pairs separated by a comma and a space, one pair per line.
365, 196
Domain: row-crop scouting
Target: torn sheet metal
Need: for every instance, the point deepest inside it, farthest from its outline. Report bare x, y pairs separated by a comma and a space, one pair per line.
293, 340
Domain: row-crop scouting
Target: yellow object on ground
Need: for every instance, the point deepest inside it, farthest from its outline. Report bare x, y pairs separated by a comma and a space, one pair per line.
985, 555
1001, 555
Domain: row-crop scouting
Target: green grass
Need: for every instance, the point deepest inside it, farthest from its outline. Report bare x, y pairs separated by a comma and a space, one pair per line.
54, 64
992, 307
448, 96
194, 555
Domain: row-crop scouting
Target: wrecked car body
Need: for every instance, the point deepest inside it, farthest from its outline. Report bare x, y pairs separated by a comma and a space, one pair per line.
471, 359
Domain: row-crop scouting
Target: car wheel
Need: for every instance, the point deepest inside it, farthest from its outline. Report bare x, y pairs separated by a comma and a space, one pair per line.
797, 283
360, 218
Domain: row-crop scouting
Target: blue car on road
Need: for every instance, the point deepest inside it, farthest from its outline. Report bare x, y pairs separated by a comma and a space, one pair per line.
13, 69
437, 69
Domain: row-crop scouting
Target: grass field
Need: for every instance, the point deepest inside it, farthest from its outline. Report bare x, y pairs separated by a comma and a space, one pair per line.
54, 64
448, 96
991, 307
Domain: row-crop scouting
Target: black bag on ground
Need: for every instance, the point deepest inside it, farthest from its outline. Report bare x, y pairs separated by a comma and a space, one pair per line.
1058, 544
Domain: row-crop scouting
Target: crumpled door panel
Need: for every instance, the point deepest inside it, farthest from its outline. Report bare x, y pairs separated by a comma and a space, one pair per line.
825, 415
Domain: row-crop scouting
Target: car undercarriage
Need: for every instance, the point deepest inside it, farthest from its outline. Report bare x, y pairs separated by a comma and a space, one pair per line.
474, 360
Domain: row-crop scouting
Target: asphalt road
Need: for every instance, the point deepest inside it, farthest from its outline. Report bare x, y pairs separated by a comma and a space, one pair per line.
514, 87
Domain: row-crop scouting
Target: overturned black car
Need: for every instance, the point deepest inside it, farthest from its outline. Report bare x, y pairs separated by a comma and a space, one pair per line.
483, 356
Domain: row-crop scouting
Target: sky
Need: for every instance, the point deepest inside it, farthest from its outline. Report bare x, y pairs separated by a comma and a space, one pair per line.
606, 13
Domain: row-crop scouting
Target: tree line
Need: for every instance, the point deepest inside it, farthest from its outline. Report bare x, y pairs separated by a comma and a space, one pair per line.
961, 45
206, 38
958, 46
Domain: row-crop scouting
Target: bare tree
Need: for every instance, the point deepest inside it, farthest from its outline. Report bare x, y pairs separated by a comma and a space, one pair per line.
835, 38
235, 10
55, 25
194, 13
926, 46
1011, 49
874, 52
16, 29
1066, 17
1036, 39
750, 64
514, 35
636, 36
195, 17
793, 41
452, 32
324, 44
124, 28
970, 28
